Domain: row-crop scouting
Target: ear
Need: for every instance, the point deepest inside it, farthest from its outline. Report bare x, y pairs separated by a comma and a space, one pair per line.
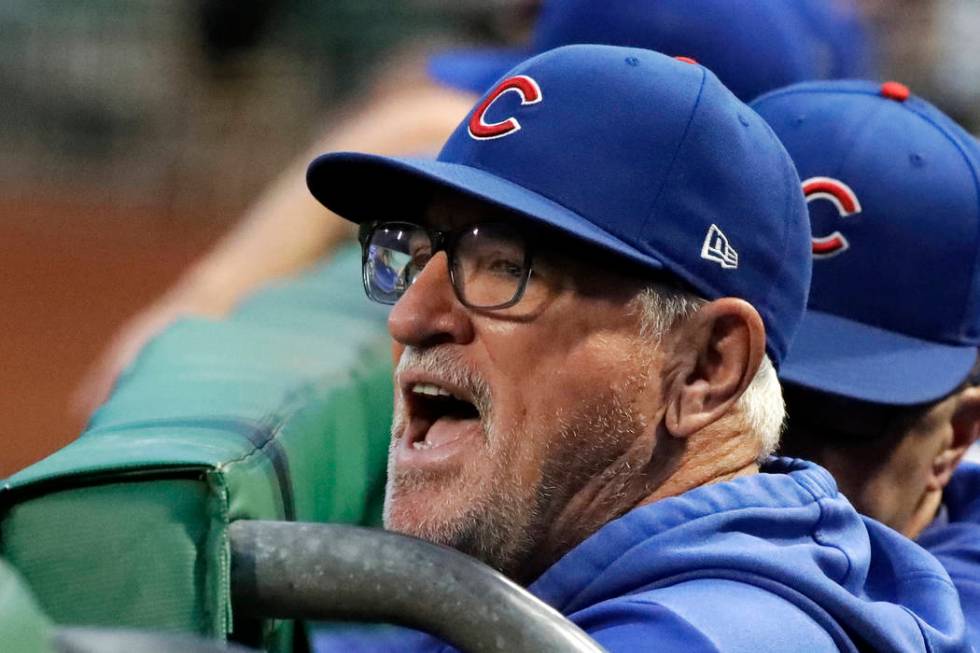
965, 424
716, 355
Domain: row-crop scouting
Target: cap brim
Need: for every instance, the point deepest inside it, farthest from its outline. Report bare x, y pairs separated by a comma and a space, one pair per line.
473, 70
850, 359
362, 187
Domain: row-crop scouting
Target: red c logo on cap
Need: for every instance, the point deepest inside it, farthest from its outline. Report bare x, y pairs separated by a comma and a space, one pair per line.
523, 85
842, 197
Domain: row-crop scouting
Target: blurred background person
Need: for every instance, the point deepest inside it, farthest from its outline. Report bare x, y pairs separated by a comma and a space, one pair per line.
412, 111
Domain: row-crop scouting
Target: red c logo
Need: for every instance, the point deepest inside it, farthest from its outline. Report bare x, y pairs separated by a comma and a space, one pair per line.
841, 195
523, 85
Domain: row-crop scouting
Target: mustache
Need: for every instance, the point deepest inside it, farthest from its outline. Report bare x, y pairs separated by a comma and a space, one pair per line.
447, 365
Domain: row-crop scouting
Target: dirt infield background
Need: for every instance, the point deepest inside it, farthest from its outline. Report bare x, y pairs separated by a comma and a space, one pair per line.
69, 276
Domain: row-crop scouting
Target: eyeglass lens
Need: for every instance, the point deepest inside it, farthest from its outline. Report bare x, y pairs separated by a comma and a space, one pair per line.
489, 263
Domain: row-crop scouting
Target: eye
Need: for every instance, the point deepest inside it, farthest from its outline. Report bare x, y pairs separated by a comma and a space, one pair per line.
419, 258
419, 251
505, 266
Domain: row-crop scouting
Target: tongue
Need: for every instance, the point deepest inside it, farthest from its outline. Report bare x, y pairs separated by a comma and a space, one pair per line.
447, 429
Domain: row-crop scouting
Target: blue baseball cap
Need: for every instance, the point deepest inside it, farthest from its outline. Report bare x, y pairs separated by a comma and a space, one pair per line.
894, 200
647, 157
753, 46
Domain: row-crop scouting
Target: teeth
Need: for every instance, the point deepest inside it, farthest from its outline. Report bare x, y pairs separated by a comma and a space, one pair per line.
421, 444
431, 390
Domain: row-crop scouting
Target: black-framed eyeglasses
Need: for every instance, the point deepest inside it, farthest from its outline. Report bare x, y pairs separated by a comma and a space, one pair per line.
489, 263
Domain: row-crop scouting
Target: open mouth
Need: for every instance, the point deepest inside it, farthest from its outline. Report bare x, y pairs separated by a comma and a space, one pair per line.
438, 416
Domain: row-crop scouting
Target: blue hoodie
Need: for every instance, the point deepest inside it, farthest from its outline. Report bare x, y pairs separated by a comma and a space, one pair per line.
777, 561
954, 538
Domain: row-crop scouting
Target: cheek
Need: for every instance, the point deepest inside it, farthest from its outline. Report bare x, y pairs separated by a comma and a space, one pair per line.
555, 381
575, 374
545, 371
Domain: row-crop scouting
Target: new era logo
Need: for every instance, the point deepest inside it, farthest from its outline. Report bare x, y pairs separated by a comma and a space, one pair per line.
717, 249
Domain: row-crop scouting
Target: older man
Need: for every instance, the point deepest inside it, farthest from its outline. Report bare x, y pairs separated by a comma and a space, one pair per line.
882, 378
593, 284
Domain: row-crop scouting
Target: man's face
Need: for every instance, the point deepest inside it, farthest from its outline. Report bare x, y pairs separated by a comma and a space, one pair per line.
544, 396
881, 456
893, 485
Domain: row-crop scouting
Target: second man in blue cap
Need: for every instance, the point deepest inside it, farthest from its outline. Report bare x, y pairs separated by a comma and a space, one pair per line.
881, 379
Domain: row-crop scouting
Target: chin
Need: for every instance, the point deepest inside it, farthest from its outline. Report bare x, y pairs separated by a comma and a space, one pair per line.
491, 527
430, 510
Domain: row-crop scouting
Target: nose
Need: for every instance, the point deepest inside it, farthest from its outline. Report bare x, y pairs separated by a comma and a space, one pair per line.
429, 313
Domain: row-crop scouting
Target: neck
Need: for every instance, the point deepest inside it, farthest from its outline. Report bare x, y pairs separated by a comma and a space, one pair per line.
663, 468
925, 511
711, 457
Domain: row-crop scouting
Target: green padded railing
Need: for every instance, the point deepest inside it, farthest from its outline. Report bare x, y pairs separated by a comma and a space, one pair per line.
280, 412
23, 628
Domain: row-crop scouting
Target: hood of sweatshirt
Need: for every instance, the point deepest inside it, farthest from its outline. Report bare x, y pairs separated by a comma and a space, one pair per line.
787, 531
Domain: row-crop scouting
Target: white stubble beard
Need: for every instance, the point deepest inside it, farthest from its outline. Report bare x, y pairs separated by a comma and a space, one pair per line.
505, 520
491, 527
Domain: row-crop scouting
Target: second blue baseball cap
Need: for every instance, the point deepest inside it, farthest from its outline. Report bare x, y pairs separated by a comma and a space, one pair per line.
642, 155
892, 186
753, 46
